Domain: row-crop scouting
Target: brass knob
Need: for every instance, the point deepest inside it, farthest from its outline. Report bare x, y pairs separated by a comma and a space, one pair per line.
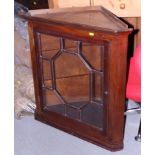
122, 6
35, 3
106, 92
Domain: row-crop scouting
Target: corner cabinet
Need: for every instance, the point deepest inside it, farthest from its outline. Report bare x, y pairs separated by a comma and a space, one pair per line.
79, 70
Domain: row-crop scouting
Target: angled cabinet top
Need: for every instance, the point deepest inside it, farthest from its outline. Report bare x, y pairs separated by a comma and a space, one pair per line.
95, 17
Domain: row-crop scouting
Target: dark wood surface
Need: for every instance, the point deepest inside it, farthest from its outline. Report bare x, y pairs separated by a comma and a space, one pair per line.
108, 130
94, 17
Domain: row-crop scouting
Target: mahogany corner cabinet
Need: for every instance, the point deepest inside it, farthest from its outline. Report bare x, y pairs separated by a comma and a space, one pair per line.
79, 70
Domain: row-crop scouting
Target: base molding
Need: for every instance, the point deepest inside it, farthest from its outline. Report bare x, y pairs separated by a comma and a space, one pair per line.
106, 144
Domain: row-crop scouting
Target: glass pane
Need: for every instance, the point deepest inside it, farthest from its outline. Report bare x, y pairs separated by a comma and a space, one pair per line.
93, 114
49, 42
98, 88
47, 73
93, 53
70, 44
74, 88
53, 102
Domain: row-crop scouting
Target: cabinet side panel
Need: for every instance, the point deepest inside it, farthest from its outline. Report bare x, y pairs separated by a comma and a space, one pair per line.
116, 89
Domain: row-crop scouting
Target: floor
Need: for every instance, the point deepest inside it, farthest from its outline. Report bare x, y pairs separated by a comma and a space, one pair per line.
35, 138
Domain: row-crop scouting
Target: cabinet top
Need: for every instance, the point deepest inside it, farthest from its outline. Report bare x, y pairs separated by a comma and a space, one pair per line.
96, 17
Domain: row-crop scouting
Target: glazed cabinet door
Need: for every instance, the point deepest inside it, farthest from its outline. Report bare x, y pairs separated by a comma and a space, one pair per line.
72, 79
